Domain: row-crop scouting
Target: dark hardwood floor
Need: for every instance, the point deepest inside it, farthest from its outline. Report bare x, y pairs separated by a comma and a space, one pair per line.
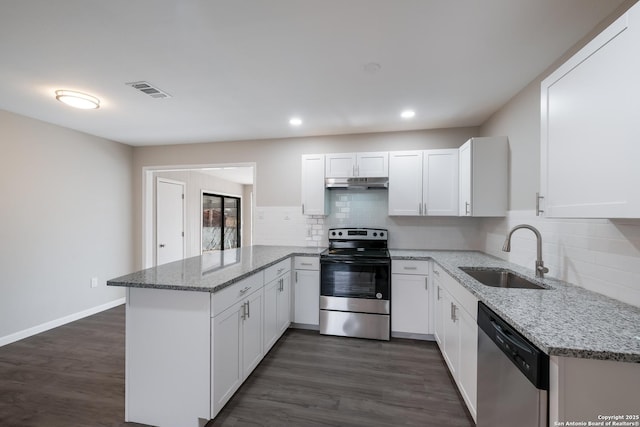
73, 376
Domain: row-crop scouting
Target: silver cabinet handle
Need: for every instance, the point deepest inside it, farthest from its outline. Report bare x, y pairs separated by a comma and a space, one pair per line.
161, 245
410, 268
426, 283
303, 209
538, 210
281, 287
306, 263
436, 272
280, 270
248, 308
467, 208
244, 291
438, 293
454, 317
451, 312
244, 311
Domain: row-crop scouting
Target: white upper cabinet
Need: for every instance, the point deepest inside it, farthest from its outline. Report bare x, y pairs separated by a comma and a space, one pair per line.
590, 127
423, 182
340, 165
314, 200
483, 176
405, 183
361, 165
440, 182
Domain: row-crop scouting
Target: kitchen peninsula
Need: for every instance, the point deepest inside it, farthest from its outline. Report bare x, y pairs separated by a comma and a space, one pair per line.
196, 328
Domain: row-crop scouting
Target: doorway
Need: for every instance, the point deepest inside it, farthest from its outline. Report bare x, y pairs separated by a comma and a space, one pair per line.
236, 179
170, 216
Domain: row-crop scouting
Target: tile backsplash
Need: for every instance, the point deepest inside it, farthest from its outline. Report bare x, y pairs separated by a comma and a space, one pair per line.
597, 254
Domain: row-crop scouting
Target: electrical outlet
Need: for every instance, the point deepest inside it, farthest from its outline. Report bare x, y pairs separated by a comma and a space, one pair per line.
94, 282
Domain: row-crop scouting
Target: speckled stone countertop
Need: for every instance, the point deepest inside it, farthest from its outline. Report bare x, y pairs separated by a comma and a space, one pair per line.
213, 271
564, 320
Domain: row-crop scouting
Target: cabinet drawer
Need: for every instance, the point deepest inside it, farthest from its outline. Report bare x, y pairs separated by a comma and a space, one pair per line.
277, 270
224, 299
410, 267
307, 263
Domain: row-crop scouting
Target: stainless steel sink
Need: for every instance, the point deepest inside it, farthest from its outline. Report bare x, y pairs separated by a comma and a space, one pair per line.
501, 278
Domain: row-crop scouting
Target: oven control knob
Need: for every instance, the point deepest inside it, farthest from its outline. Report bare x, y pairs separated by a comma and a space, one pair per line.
333, 233
376, 234
381, 234
379, 295
339, 233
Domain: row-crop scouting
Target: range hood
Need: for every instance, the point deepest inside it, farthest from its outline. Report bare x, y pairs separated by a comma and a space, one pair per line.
357, 183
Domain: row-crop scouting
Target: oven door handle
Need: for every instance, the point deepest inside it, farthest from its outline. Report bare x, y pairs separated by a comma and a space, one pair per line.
356, 262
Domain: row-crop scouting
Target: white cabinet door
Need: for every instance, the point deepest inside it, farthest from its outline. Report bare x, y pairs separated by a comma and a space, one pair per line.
284, 304
483, 173
277, 309
271, 296
227, 355
342, 165
405, 183
236, 347
252, 334
464, 156
468, 367
372, 165
313, 187
438, 315
440, 182
410, 304
307, 297
451, 351
590, 128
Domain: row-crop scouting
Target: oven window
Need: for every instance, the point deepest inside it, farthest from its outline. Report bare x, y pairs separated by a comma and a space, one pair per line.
355, 281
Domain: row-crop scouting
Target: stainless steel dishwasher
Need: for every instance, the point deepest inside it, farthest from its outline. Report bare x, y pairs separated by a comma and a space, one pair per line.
513, 375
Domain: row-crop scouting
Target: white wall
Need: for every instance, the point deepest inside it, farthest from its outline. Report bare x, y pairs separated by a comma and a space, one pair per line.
66, 217
600, 254
196, 182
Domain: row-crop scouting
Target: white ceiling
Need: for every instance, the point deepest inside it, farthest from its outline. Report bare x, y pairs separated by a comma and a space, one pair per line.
239, 69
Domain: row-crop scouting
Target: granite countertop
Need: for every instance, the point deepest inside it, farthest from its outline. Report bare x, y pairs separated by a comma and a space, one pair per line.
211, 272
564, 320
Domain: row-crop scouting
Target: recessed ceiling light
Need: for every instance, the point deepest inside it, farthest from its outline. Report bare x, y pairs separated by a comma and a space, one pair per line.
407, 114
295, 121
78, 99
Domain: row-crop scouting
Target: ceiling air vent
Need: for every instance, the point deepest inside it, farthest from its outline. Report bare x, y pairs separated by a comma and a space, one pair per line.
149, 89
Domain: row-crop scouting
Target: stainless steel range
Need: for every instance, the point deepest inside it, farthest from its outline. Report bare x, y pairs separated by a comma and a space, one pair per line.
355, 284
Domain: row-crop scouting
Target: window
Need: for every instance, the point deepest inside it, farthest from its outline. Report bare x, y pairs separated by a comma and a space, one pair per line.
220, 222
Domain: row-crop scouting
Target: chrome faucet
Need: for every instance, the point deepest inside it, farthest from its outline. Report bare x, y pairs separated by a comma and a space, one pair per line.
540, 268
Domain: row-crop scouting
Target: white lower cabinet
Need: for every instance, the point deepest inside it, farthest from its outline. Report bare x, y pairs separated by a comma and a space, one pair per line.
277, 309
236, 347
456, 333
410, 307
468, 361
306, 292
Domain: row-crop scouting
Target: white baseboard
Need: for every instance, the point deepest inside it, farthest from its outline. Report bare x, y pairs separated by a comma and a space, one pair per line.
17, 336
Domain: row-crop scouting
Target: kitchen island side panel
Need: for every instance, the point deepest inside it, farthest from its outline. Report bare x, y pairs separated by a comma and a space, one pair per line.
168, 357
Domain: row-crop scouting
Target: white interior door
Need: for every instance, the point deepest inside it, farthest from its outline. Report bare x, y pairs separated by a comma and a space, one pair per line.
169, 221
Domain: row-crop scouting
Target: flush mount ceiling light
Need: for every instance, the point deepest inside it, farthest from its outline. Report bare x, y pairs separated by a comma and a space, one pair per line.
407, 114
78, 99
295, 121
